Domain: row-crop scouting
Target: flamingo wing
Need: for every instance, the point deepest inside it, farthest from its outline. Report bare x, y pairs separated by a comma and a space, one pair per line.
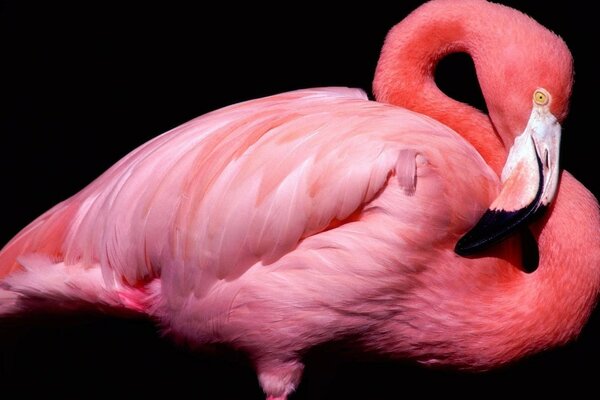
244, 185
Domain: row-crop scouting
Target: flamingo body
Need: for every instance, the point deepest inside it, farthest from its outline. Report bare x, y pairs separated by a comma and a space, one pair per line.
281, 223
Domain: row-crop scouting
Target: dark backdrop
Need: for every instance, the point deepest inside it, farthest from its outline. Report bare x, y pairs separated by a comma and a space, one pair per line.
82, 85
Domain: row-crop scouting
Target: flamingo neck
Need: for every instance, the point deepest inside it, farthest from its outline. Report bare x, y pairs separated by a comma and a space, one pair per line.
405, 72
550, 306
566, 285
499, 313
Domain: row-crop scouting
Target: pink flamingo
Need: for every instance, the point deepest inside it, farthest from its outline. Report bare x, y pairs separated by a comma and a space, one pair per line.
282, 223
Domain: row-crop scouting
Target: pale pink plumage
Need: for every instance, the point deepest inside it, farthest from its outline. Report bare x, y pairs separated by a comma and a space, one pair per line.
284, 222
255, 183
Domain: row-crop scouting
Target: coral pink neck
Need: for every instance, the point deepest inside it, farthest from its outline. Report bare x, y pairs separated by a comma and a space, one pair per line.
551, 305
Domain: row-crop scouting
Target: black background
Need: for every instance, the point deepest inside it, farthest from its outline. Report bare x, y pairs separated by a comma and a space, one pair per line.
84, 84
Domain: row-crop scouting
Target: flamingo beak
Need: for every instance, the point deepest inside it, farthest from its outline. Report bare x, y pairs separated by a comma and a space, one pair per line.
529, 182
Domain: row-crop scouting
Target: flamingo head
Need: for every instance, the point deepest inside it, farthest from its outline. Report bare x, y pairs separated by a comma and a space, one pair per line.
525, 72
526, 76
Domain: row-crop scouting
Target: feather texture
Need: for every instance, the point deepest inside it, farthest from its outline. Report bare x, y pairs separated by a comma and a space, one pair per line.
248, 183
281, 223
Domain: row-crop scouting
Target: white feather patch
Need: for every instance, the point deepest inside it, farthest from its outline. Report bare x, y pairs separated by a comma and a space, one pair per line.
50, 281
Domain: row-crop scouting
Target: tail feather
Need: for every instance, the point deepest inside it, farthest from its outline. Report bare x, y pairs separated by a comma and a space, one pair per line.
45, 235
44, 285
33, 275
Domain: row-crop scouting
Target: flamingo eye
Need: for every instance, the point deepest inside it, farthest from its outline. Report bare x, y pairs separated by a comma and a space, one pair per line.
541, 97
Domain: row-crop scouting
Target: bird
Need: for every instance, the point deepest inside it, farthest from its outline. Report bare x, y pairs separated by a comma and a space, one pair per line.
281, 223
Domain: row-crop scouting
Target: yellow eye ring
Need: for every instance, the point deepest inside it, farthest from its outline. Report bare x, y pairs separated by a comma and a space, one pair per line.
541, 97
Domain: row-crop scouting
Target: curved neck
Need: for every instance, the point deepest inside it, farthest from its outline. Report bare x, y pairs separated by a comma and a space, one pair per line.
550, 306
567, 282
509, 312
516, 312
406, 68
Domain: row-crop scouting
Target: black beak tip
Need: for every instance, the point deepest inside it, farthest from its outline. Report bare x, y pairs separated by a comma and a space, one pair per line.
493, 226
472, 242
464, 248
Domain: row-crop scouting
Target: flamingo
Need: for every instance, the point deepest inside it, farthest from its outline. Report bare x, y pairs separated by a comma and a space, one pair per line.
281, 223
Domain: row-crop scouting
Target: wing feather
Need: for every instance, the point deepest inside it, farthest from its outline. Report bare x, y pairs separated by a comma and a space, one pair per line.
242, 186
